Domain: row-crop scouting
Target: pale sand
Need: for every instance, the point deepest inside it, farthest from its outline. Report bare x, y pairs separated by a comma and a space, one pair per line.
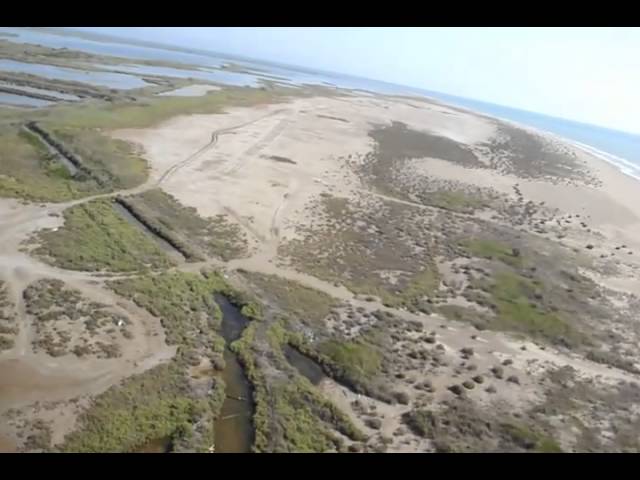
237, 177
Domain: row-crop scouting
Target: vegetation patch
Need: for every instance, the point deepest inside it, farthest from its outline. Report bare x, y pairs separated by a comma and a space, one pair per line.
613, 359
8, 324
386, 250
164, 402
152, 110
493, 249
182, 227
31, 171
519, 306
530, 439
95, 237
290, 415
353, 361
306, 420
396, 144
464, 314
113, 163
185, 304
454, 200
155, 404
67, 322
530, 155
461, 427
303, 303
357, 364
517, 309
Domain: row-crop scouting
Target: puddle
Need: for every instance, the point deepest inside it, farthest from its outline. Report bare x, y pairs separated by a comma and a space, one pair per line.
234, 426
305, 365
103, 79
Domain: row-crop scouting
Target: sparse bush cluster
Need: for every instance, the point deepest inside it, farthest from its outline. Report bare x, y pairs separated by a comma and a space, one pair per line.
384, 250
461, 427
66, 322
8, 325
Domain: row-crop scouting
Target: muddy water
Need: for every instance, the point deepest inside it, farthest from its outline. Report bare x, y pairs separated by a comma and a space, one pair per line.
305, 365
159, 445
163, 244
234, 426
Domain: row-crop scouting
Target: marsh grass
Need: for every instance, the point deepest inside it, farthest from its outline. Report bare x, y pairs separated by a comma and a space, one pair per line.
95, 237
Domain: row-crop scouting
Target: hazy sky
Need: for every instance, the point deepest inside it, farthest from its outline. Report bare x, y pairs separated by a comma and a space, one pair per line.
586, 74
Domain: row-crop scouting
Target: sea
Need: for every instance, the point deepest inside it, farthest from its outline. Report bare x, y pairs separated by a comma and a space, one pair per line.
621, 149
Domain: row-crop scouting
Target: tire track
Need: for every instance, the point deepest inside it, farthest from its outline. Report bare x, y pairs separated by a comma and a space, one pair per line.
258, 146
194, 156
275, 228
275, 219
214, 140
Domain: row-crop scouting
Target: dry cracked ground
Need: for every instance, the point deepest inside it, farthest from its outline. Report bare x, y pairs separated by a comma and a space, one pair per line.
418, 278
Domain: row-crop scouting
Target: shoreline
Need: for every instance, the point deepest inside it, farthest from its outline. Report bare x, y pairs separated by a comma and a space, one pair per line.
624, 166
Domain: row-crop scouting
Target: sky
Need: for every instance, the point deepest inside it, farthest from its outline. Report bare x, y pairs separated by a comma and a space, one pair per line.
590, 75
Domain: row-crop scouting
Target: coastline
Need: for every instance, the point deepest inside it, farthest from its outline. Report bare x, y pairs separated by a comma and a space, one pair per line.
623, 165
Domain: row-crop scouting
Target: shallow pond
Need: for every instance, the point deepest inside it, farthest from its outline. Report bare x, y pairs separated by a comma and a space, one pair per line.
22, 101
120, 81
